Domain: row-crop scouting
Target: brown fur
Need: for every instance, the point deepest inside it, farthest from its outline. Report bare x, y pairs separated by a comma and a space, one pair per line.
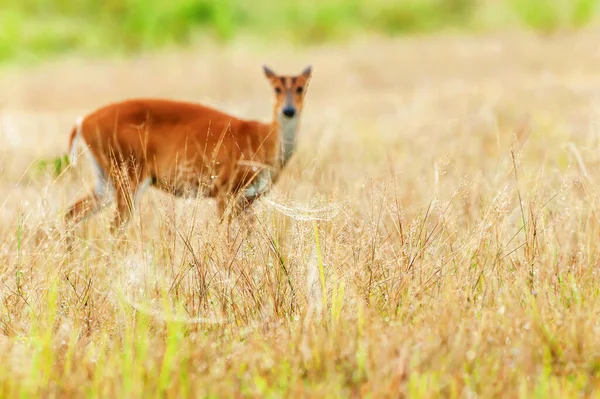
184, 148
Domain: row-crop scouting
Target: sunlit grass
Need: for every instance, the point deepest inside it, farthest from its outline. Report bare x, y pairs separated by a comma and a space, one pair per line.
436, 234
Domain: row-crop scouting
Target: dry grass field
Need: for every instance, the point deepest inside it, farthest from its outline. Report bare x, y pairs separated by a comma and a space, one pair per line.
436, 234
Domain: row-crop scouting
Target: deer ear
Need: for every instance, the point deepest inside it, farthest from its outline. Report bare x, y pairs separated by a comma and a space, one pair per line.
307, 71
268, 72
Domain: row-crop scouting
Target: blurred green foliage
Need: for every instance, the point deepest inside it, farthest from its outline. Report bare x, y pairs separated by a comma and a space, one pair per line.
52, 166
550, 15
30, 29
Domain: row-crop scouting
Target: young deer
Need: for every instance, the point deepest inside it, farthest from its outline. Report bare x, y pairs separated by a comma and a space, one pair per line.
186, 149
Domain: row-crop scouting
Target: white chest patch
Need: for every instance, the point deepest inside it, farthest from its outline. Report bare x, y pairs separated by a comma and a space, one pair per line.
289, 127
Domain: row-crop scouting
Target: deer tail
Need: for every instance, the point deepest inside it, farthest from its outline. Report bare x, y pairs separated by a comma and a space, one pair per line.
74, 141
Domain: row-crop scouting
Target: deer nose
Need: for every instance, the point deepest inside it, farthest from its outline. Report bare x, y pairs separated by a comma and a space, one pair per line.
289, 112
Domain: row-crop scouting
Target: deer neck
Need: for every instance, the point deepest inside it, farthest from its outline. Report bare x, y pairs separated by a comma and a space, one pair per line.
286, 129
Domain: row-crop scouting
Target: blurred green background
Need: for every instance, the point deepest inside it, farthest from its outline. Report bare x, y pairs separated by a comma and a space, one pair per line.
31, 30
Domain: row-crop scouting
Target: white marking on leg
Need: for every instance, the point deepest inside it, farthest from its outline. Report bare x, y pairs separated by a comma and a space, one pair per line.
260, 186
103, 187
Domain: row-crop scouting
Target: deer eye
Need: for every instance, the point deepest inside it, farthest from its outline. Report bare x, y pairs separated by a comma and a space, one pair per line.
278, 90
299, 90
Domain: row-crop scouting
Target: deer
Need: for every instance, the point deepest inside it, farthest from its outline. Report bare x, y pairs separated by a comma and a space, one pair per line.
185, 149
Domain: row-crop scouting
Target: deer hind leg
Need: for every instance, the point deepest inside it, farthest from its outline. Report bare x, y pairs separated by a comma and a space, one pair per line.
100, 196
84, 207
129, 186
96, 200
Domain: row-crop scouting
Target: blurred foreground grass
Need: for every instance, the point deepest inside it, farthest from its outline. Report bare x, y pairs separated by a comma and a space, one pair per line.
35, 29
455, 255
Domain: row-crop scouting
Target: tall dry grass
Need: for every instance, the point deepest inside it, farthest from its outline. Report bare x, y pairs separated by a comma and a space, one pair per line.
435, 236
